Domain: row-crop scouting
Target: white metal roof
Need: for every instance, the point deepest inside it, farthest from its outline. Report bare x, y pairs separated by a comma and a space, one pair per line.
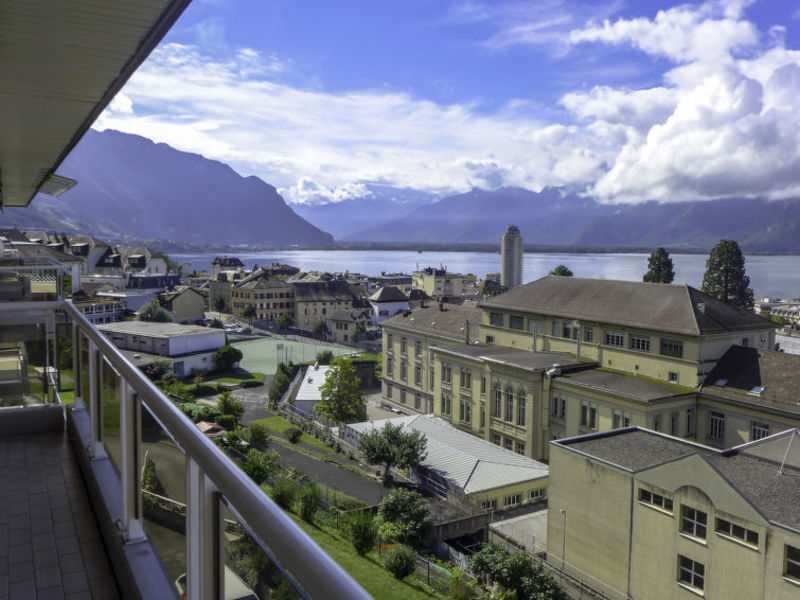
309, 389
472, 463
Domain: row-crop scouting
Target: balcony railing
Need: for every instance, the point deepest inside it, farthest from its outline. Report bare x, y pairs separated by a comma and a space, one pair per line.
221, 506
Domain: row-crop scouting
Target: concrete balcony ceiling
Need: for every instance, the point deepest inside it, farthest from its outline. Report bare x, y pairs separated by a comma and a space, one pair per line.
61, 63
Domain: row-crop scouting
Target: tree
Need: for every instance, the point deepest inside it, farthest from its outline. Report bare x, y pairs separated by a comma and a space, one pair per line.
401, 562
342, 398
393, 447
519, 572
363, 531
725, 277
228, 405
562, 271
249, 313
285, 321
258, 465
153, 312
220, 304
406, 509
320, 328
226, 357
659, 267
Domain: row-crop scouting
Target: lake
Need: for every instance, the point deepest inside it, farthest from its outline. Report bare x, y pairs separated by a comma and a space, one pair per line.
777, 275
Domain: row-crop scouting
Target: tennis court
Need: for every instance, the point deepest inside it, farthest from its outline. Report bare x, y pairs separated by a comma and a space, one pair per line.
263, 356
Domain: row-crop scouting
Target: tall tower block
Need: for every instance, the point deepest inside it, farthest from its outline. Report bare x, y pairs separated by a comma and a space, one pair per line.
511, 250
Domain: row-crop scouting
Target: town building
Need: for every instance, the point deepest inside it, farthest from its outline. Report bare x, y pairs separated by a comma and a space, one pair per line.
461, 468
184, 304
644, 515
387, 301
270, 298
99, 310
438, 283
225, 263
401, 281
346, 326
308, 394
511, 258
316, 300
188, 347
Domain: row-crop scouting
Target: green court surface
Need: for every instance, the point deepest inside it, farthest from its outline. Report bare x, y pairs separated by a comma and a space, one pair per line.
263, 356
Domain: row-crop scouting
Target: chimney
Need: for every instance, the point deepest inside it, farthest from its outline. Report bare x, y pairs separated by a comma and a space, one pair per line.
466, 331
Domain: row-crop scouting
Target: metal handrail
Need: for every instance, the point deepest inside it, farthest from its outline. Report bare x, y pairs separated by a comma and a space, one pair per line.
317, 573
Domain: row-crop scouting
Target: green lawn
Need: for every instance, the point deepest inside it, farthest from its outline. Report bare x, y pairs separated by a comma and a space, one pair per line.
236, 378
279, 426
366, 570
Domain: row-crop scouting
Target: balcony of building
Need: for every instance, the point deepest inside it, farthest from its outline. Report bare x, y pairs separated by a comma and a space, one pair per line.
109, 491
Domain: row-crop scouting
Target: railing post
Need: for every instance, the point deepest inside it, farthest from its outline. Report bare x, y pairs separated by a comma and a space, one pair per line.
130, 441
96, 448
77, 367
204, 560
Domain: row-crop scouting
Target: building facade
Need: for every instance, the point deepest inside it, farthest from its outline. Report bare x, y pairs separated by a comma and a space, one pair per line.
269, 297
438, 283
511, 258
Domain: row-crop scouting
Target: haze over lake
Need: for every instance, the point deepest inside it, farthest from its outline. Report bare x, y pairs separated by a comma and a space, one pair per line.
777, 275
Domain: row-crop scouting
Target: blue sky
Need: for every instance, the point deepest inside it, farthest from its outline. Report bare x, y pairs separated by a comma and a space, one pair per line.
627, 100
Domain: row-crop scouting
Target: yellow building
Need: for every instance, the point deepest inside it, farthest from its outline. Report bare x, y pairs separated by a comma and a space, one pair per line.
316, 300
438, 283
186, 304
270, 297
673, 333
653, 517
408, 366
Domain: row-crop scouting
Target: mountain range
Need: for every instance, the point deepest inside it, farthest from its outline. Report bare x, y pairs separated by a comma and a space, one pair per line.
130, 187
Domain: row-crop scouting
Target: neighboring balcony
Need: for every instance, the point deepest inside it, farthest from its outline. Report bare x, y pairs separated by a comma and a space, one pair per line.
195, 525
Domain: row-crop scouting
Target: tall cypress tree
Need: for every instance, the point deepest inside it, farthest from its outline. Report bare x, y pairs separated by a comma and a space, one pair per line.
725, 276
659, 267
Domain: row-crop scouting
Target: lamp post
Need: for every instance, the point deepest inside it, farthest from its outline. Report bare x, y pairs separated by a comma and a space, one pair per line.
564, 544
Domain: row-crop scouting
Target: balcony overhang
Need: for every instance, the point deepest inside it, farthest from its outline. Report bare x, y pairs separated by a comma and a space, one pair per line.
61, 63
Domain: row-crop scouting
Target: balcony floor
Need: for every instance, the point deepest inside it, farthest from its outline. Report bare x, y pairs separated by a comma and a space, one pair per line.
50, 547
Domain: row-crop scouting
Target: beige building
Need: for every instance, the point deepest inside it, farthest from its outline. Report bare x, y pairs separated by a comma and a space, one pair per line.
347, 326
185, 304
270, 298
438, 283
317, 300
653, 517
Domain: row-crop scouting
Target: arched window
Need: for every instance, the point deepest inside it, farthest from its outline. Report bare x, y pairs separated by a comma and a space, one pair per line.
510, 404
521, 407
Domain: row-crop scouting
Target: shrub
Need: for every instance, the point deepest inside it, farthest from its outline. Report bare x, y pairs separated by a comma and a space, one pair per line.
401, 562
153, 312
226, 421
216, 324
363, 531
150, 480
310, 500
325, 357
226, 357
250, 383
198, 412
228, 405
259, 465
203, 389
293, 434
258, 435
461, 587
284, 491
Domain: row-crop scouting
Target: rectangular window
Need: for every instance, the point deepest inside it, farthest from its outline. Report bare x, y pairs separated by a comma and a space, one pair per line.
535, 325
389, 390
496, 319
515, 322
402, 396
403, 370
613, 338
466, 378
637, 342
496, 439
689, 421
446, 404
693, 522
483, 418
792, 563
656, 422
557, 328
447, 373
521, 409
390, 343
490, 339
691, 573
403, 345
508, 443
673, 423
672, 377
431, 377
417, 375
716, 426
758, 430
512, 500
509, 404
588, 334
390, 366
537, 494
519, 448
626, 419
617, 420
489, 505
656, 500
483, 384
589, 415
736, 531
497, 404
417, 401
418, 349
672, 348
